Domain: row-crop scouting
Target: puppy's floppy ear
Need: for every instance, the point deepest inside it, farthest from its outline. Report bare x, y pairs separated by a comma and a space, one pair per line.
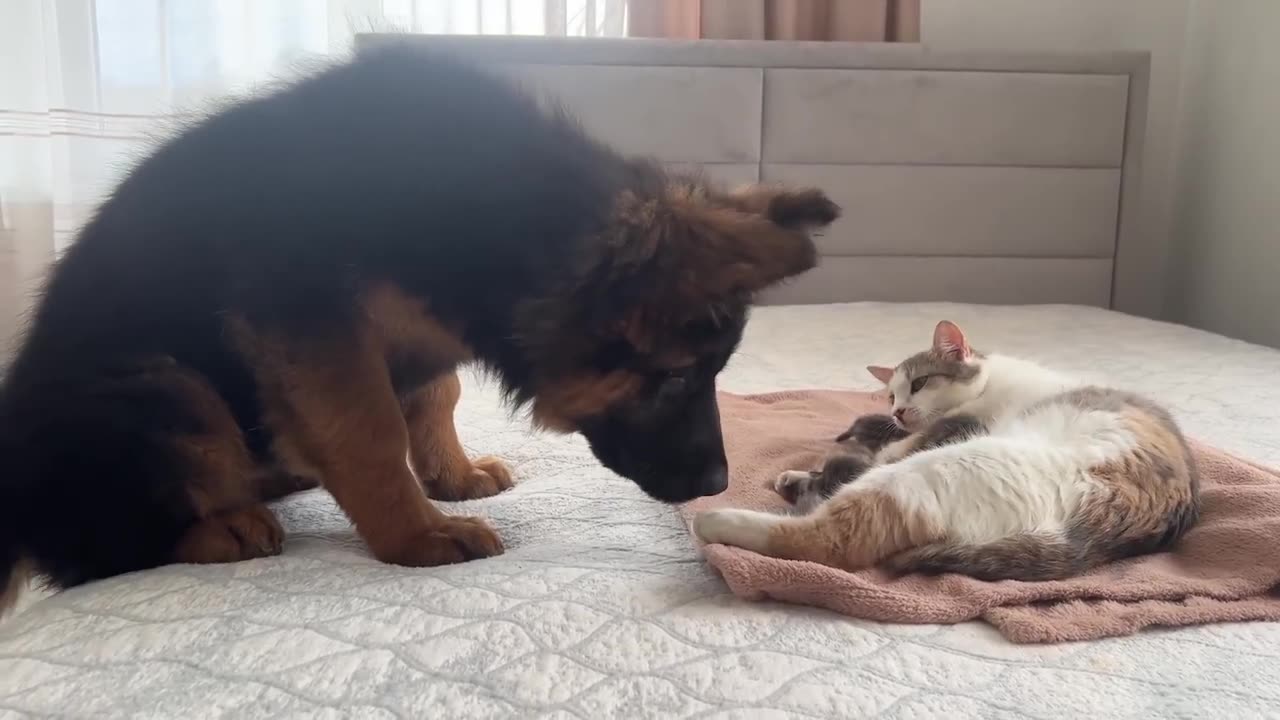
801, 209
759, 237
682, 248
725, 251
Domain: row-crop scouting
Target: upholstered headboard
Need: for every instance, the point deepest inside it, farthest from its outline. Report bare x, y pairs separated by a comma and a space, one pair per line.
964, 176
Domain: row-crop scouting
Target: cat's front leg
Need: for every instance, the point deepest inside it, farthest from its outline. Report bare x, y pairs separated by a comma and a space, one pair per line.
898, 449
948, 430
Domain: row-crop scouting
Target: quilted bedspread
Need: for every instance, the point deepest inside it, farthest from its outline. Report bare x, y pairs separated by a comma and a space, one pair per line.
601, 606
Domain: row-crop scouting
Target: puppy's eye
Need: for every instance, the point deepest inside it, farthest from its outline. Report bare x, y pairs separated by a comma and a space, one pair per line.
699, 329
613, 355
918, 384
673, 386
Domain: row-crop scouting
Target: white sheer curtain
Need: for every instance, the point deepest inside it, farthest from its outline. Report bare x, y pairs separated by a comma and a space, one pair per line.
85, 84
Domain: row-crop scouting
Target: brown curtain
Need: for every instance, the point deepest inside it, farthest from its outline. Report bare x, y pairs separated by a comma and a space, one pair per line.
848, 20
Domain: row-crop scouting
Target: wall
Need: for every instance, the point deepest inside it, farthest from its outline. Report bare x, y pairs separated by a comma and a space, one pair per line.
1226, 247
1155, 25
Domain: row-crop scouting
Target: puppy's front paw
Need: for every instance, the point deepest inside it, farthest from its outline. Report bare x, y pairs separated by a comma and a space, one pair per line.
486, 477
457, 539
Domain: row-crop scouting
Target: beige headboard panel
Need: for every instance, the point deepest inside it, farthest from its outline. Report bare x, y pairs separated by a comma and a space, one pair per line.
970, 177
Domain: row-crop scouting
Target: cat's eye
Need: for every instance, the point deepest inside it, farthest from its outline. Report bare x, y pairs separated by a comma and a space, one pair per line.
891, 399
918, 384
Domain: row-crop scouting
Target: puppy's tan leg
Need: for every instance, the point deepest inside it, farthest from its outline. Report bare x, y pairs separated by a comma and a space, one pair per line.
333, 409
437, 455
856, 529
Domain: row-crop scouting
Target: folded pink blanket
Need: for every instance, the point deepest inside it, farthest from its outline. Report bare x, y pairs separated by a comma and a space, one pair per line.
1225, 569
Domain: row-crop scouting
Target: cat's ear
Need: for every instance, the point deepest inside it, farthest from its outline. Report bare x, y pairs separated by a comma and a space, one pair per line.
883, 374
949, 341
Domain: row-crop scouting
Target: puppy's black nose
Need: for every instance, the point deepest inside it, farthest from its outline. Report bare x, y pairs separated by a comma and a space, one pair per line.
714, 481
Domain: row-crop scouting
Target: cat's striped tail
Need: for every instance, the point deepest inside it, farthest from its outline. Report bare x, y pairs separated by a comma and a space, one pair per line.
1020, 557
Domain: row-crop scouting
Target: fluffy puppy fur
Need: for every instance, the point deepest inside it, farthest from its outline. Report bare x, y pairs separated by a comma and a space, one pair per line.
279, 297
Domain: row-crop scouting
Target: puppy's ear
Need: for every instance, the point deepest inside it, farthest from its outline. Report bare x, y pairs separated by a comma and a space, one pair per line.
724, 251
800, 209
683, 249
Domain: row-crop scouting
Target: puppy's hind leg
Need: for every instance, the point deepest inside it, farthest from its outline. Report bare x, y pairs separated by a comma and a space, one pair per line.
224, 482
130, 468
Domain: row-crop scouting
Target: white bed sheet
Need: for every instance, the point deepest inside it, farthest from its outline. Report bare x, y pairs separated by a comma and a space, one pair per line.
601, 607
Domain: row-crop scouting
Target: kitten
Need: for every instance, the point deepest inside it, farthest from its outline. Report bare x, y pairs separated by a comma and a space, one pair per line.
861, 444
994, 467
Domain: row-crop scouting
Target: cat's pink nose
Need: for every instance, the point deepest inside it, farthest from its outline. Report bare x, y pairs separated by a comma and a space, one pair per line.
900, 414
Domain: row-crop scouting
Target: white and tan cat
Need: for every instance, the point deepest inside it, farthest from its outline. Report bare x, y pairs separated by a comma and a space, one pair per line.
995, 467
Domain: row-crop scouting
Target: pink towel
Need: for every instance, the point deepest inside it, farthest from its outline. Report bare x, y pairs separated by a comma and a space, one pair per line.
1225, 569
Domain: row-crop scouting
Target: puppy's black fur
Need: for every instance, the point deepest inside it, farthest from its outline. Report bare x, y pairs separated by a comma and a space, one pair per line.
569, 271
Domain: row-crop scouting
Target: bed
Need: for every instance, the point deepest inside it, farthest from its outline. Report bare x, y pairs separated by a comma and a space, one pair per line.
601, 606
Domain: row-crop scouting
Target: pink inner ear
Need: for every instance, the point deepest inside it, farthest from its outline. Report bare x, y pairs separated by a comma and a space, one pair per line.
883, 374
949, 340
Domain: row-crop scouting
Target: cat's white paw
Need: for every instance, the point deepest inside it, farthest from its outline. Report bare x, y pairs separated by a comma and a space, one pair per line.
793, 485
791, 478
741, 528
804, 491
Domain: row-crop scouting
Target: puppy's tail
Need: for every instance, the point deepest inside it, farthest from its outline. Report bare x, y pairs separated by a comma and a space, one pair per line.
14, 572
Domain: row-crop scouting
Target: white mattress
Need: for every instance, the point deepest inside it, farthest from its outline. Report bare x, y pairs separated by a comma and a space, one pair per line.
601, 607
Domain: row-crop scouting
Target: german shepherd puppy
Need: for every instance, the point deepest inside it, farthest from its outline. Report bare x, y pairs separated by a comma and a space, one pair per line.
279, 297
